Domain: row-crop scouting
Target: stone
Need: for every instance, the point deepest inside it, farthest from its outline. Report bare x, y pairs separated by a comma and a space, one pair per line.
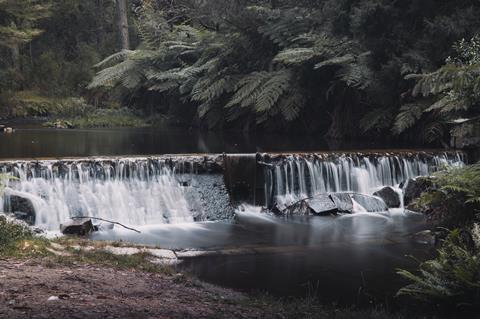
343, 201
413, 188
370, 203
21, 207
389, 196
322, 205
80, 227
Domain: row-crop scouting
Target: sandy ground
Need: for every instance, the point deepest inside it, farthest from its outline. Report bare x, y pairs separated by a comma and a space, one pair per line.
84, 291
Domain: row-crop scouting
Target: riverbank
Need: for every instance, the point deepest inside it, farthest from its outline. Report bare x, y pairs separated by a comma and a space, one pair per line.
38, 288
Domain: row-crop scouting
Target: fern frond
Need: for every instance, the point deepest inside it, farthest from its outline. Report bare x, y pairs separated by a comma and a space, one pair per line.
272, 90
114, 59
341, 60
111, 76
294, 56
291, 104
408, 116
247, 88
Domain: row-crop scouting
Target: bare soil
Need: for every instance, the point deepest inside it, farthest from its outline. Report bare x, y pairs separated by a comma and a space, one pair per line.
89, 291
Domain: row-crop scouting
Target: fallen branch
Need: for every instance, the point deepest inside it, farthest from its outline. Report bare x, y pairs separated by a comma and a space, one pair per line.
108, 221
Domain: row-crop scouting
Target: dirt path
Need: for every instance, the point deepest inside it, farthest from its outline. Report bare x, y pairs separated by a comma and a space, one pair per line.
84, 291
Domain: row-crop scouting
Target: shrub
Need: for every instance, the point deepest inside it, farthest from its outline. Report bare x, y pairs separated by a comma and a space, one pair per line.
11, 233
452, 279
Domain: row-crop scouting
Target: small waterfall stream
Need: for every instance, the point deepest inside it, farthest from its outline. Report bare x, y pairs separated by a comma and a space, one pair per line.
288, 178
185, 189
133, 191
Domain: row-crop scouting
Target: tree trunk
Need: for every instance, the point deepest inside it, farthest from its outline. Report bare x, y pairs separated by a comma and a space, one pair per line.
16, 57
122, 24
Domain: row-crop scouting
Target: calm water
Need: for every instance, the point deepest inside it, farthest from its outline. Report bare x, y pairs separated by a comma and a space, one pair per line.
37, 142
350, 259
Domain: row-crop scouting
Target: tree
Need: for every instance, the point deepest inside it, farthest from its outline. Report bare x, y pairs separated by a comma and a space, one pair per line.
122, 24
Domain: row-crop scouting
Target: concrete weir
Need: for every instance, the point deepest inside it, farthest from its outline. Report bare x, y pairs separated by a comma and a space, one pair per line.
169, 189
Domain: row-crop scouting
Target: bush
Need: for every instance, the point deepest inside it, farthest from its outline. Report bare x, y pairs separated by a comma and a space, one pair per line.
11, 233
454, 198
29, 103
452, 279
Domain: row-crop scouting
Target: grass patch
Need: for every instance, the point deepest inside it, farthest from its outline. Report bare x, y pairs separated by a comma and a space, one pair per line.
139, 262
17, 240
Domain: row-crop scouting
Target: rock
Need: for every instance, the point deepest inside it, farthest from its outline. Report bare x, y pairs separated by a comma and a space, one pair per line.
370, 203
80, 227
22, 208
343, 201
413, 188
389, 196
322, 205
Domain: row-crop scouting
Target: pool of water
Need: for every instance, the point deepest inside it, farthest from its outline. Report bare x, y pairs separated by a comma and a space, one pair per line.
40, 142
350, 259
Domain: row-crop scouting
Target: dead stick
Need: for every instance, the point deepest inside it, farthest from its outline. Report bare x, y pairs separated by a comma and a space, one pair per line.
108, 221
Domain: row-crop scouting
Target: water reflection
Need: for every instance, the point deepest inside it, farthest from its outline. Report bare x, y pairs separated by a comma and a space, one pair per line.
34, 142
288, 256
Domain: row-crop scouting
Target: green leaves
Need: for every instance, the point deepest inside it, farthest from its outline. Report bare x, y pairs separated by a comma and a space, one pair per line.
451, 279
408, 116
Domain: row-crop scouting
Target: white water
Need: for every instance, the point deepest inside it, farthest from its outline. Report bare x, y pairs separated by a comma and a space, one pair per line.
144, 192
128, 192
300, 177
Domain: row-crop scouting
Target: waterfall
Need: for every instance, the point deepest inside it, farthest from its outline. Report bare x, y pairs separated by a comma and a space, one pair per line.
288, 178
184, 189
132, 191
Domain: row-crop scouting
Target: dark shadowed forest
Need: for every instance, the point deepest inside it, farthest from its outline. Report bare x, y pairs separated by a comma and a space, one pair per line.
344, 69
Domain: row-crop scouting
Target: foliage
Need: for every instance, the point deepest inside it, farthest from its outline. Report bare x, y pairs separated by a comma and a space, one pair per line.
236, 74
18, 21
455, 198
456, 88
30, 103
452, 278
461, 180
11, 233
100, 118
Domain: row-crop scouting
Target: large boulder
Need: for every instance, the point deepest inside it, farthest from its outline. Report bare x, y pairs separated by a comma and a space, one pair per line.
389, 196
21, 207
79, 227
413, 188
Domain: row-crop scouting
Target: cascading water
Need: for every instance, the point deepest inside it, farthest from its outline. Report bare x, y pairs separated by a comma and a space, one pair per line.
184, 189
131, 191
289, 178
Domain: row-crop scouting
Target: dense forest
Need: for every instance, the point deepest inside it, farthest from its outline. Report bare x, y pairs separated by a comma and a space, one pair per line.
343, 69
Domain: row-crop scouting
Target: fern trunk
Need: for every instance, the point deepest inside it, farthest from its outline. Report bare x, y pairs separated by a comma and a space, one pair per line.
122, 24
